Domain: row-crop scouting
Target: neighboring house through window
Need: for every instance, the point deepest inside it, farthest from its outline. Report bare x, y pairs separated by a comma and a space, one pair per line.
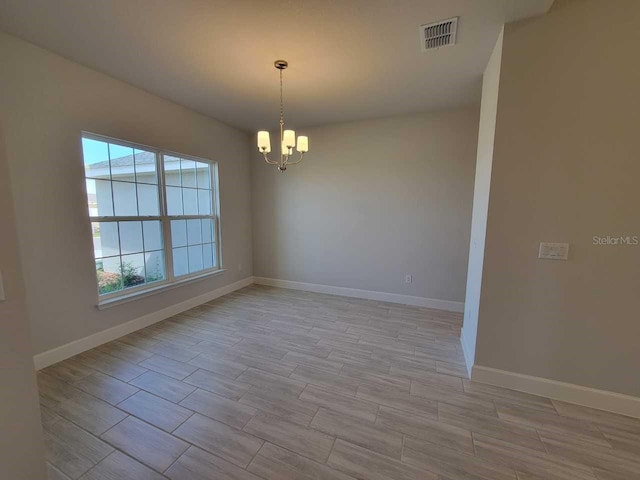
154, 215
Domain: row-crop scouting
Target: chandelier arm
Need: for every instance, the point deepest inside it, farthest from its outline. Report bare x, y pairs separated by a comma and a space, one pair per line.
297, 161
270, 162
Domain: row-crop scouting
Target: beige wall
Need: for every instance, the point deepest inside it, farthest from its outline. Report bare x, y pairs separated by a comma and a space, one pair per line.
45, 101
486, 135
21, 451
566, 167
374, 200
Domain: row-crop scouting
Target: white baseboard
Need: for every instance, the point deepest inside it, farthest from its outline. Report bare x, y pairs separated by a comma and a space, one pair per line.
566, 392
63, 352
468, 360
367, 294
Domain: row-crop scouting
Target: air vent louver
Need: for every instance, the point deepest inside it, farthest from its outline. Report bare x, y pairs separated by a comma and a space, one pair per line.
439, 34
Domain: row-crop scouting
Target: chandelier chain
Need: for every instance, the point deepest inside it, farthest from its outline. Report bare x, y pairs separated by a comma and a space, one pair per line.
281, 102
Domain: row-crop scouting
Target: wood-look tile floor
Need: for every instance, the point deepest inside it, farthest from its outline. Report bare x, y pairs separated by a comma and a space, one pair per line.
277, 384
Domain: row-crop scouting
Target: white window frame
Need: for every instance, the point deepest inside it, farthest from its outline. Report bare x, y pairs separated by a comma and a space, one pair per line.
170, 280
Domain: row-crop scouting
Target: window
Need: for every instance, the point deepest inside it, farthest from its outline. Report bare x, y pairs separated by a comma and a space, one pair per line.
154, 215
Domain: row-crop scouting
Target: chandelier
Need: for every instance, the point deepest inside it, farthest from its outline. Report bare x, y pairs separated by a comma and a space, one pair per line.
287, 137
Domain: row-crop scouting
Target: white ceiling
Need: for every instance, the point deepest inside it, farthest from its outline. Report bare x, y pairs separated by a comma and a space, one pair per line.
349, 59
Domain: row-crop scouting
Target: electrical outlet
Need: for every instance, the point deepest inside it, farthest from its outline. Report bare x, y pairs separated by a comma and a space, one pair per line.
408, 279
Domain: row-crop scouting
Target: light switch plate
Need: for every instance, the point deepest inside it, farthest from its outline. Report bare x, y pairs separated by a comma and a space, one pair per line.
554, 251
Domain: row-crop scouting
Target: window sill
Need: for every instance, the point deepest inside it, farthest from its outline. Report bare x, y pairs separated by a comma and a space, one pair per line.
119, 300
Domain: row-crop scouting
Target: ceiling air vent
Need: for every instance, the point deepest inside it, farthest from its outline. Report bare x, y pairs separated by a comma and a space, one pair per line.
439, 34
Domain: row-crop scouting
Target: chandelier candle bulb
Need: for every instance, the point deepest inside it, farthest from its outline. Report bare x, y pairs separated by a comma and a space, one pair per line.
264, 142
289, 138
303, 144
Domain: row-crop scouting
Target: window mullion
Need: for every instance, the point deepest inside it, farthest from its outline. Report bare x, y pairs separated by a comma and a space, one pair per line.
215, 210
144, 252
216, 239
165, 221
113, 193
120, 252
200, 222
